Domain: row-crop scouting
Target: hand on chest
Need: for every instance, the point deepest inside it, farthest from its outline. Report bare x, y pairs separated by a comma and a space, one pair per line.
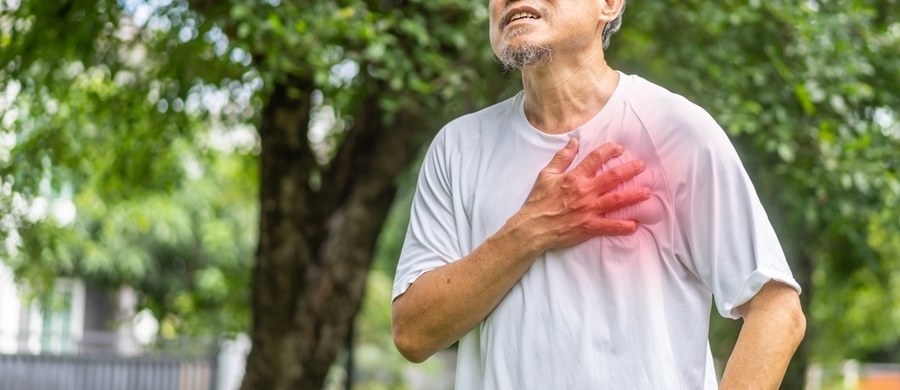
503, 184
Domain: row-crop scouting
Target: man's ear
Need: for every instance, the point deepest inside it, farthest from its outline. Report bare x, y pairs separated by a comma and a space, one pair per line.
609, 9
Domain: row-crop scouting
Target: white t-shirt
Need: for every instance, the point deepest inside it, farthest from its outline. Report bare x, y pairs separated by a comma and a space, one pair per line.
618, 312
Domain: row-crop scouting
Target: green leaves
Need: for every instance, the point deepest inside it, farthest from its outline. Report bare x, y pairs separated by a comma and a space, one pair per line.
799, 87
112, 129
142, 123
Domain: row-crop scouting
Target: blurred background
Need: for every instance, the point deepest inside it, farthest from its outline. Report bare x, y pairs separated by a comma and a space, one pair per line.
180, 180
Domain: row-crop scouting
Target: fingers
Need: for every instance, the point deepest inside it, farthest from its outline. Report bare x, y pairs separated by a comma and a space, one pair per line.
615, 227
611, 178
599, 156
621, 199
563, 158
616, 201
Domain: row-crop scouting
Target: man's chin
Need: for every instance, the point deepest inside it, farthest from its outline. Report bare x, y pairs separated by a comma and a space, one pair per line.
518, 35
524, 56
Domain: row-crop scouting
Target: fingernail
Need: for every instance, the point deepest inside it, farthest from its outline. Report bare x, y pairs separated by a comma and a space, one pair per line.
620, 148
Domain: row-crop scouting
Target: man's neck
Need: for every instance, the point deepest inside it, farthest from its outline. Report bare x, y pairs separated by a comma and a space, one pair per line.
563, 95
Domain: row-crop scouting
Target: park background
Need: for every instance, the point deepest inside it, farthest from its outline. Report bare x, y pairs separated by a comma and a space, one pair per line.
216, 173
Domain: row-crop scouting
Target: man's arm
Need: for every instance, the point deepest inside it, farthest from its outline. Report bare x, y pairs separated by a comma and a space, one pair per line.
563, 209
773, 327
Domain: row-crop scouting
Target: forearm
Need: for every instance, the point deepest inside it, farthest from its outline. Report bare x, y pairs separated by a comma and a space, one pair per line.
563, 209
773, 327
445, 303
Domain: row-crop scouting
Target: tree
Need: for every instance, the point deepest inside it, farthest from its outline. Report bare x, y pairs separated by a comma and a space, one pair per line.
112, 102
344, 94
100, 125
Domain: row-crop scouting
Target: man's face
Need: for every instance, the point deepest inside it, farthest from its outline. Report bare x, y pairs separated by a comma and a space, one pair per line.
554, 24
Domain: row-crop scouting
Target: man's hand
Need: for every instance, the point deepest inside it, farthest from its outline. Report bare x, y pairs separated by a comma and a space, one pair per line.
563, 209
567, 208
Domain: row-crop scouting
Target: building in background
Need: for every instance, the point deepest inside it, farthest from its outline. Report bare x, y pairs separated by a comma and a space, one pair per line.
84, 337
75, 319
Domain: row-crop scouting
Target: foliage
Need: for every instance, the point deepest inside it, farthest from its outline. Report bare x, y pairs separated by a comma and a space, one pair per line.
124, 167
119, 101
123, 110
808, 93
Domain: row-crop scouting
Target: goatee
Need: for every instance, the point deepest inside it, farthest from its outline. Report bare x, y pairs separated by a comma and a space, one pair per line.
522, 56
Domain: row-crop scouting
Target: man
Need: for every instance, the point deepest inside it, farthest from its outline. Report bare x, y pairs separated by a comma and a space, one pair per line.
574, 236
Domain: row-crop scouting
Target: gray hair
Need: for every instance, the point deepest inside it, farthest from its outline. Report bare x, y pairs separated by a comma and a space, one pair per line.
523, 56
613, 26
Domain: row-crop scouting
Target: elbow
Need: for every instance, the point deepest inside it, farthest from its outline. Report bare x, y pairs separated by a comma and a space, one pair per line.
776, 308
411, 347
794, 319
797, 324
415, 337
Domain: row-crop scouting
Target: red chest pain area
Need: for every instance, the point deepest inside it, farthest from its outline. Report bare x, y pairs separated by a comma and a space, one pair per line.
650, 211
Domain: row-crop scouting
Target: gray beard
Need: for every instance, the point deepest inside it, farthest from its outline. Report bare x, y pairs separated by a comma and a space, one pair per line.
523, 56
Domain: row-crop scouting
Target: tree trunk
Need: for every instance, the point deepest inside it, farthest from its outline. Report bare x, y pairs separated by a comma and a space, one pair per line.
316, 244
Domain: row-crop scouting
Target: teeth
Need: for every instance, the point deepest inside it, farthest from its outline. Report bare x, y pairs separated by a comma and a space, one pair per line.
522, 15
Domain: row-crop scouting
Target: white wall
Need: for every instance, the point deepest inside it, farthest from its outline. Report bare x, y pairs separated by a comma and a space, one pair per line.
10, 309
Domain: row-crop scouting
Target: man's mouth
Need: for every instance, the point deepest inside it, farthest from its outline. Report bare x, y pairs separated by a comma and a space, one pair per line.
520, 15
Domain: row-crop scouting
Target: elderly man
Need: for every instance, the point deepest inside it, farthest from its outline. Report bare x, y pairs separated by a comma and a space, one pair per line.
574, 236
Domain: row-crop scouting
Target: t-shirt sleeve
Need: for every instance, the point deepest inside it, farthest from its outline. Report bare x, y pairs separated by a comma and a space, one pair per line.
724, 235
431, 238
